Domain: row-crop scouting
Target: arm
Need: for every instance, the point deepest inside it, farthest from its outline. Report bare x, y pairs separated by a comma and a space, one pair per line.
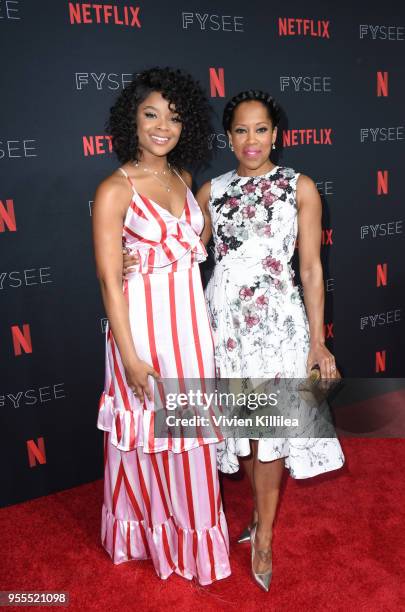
110, 204
202, 197
309, 246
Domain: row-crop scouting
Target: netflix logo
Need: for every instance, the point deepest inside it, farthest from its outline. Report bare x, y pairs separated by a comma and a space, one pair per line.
327, 237
81, 13
382, 84
328, 331
7, 216
217, 82
382, 275
289, 26
36, 452
380, 361
316, 136
21, 339
382, 182
97, 145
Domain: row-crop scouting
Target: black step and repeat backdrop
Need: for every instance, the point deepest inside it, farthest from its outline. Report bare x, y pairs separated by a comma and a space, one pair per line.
338, 71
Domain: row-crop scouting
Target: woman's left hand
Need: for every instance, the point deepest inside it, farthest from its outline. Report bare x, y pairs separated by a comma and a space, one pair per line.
319, 354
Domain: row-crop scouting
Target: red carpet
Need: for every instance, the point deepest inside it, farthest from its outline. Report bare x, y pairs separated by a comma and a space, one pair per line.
339, 545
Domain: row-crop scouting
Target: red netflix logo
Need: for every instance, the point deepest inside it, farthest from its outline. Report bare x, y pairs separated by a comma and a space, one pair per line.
85, 13
217, 82
97, 145
36, 452
382, 271
382, 84
380, 361
327, 238
382, 182
289, 26
317, 136
328, 331
7, 216
21, 339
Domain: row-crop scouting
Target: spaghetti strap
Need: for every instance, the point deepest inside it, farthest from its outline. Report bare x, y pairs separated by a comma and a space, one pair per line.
181, 178
127, 177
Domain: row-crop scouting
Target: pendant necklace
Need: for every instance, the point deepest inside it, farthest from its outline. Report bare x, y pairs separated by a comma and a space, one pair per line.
155, 174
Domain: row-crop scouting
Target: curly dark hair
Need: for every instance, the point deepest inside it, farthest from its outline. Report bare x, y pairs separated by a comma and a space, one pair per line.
191, 104
266, 99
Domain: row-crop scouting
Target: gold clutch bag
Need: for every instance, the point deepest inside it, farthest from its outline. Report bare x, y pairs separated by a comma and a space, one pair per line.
315, 388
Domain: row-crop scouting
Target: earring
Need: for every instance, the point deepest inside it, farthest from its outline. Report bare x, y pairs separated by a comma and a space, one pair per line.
231, 146
274, 146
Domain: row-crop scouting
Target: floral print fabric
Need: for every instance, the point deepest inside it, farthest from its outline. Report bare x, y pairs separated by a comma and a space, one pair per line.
257, 315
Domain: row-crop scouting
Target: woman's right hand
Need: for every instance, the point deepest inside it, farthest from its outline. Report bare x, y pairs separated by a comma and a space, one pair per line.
128, 261
137, 379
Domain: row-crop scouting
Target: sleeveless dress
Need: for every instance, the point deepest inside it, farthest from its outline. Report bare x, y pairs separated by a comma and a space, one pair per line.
161, 495
257, 315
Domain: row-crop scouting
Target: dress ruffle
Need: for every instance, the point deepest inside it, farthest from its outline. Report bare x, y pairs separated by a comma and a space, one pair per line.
174, 248
202, 554
131, 428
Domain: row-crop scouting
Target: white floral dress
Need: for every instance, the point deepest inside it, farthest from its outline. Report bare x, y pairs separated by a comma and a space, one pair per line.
257, 315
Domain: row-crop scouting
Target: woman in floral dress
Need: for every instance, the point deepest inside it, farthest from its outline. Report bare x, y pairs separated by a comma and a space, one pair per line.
260, 325
261, 328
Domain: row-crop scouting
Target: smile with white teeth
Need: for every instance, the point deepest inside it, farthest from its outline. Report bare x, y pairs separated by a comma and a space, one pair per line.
159, 139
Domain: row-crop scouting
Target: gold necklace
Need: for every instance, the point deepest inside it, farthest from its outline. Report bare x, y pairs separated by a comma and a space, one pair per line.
155, 173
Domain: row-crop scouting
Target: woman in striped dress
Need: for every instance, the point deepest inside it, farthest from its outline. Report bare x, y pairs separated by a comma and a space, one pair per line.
161, 494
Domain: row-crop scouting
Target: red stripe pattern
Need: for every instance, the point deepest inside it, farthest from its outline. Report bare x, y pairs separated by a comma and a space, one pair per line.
161, 493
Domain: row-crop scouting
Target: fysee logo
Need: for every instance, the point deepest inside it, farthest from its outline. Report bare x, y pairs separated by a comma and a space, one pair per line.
290, 26
86, 13
9, 10
224, 23
103, 80
308, 84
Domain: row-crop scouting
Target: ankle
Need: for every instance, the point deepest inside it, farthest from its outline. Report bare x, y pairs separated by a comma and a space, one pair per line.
264, 535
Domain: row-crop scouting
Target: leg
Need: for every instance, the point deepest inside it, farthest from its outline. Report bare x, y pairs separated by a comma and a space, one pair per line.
248, 463
267, 480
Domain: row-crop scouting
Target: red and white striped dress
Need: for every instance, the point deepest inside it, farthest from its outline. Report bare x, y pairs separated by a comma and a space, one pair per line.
161, 495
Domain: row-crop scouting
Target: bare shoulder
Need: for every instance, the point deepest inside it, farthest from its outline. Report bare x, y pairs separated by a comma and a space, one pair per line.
307, 191
187, 178
305, 184
113, 194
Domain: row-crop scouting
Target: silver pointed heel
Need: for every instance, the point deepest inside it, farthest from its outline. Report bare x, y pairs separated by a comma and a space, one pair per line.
263, 579
245, 535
